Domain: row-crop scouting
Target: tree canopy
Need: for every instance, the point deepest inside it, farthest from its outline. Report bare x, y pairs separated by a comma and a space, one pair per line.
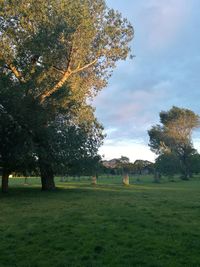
174, 135
48, 45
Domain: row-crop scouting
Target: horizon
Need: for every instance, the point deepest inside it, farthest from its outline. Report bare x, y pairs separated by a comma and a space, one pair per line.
163, 73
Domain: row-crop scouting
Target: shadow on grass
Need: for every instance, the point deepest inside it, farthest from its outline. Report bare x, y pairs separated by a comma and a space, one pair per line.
32, 191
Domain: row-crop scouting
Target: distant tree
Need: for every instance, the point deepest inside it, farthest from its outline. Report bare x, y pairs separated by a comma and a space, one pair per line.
129, 168
194, 163
122, 165
168, 164
174, 135
142, 166
124, 160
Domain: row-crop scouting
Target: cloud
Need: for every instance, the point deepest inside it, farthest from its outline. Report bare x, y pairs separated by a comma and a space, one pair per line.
162, 21
196, 142
164, 73
130, 112
132, 149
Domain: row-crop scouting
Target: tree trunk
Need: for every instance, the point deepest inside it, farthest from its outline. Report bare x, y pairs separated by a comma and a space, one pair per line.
126, 179
47, 177
185, 173
185, 176
185, 168
4, 185
94, 180
157, 177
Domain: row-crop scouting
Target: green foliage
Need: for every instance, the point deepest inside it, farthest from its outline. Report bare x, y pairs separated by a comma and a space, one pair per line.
76, 147
142, 166
16, 144
124, 166
174, 135
194, 162
168, 164
62, 45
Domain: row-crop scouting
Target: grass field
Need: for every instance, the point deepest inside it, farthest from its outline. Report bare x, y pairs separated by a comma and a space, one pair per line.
145, 224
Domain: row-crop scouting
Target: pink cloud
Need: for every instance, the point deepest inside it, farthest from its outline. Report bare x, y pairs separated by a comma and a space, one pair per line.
135, 105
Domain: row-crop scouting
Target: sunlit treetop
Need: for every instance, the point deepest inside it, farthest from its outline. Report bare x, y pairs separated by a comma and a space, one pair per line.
61, 48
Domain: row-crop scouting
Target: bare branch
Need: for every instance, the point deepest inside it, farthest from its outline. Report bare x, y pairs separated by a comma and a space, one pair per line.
78, 69
58, 69
55, 88
15, 71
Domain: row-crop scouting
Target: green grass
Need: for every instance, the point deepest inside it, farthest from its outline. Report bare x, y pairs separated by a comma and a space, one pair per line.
145, 224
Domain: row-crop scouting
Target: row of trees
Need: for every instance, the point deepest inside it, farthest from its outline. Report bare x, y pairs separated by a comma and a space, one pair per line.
172, 142
121, 166
55, 56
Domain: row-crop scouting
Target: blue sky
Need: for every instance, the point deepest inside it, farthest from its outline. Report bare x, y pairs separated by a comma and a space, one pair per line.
165, 72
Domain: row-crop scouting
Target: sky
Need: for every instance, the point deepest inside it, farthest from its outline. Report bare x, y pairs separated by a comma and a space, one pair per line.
165, 72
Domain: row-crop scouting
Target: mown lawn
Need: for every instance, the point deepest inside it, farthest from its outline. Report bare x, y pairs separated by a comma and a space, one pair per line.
145, 224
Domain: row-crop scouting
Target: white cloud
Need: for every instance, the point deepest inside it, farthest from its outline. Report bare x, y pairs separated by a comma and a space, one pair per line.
196, 142
134, 150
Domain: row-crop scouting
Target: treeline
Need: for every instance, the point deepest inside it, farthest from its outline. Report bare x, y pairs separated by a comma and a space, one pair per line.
123, 166
167, 164
55, 56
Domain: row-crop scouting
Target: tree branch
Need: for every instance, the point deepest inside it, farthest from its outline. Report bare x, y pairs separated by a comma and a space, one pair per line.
78, 69
68, 72
65, 77
48, 93
58, 69
15, 71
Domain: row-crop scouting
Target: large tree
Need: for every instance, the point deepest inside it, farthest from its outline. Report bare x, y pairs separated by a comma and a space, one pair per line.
174, 135
59, 54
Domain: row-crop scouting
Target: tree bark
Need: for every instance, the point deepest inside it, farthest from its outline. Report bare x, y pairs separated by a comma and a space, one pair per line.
94, 180
126, 179
4, 184
186, 169
47, 177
